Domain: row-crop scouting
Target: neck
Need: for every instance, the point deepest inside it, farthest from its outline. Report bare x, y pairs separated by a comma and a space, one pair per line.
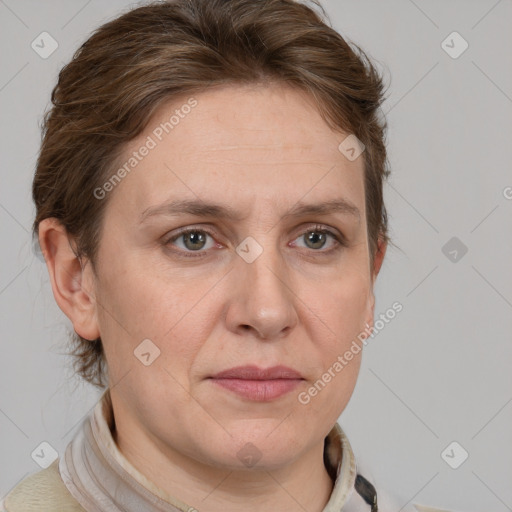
303, 485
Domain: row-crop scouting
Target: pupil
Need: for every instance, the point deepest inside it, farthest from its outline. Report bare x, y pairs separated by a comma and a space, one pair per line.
315, 237
194, 238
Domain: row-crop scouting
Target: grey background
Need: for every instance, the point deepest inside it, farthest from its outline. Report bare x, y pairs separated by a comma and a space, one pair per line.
441, 370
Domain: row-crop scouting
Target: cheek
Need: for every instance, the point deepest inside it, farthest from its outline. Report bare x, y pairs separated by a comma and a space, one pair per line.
138, 304
343, 313
344, 303
352, 301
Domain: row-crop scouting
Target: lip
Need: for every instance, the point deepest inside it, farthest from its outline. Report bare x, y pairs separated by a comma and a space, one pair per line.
252, 372
258, 384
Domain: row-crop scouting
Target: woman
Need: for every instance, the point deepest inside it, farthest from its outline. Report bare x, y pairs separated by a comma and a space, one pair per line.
209, 205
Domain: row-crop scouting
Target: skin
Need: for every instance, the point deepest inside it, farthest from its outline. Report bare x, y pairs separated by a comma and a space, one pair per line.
260, 150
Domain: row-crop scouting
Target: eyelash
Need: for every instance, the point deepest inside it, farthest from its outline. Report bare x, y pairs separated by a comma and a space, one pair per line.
339, 240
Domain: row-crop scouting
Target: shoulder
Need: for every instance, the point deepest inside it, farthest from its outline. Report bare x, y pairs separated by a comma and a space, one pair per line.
43, 491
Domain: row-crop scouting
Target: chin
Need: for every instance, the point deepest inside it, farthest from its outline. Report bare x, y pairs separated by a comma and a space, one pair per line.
265, 443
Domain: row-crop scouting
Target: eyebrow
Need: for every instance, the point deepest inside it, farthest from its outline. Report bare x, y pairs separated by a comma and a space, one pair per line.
202, 209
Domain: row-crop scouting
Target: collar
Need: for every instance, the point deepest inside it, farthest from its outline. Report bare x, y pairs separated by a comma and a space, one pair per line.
101, 479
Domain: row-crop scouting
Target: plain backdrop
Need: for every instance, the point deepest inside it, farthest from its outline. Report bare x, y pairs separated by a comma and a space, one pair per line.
440, 371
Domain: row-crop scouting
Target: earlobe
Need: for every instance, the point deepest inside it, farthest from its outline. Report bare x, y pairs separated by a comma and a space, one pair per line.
71, 282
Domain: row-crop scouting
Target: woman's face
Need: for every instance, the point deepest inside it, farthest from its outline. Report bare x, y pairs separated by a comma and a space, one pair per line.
248, 286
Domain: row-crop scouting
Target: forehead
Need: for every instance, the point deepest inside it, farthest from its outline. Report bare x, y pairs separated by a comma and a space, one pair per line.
245, 144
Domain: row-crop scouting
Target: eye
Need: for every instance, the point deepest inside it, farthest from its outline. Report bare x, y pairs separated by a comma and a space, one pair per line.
193, 240
317, 237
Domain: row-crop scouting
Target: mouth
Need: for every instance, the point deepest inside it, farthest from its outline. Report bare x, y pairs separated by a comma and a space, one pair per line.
257, 384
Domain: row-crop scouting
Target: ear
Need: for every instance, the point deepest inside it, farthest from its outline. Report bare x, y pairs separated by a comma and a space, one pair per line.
377, 264
379, 257
72, 282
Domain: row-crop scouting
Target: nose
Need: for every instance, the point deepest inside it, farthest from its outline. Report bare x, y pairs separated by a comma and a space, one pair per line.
263, 301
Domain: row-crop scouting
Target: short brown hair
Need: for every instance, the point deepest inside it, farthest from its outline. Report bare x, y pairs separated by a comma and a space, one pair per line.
133, 64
